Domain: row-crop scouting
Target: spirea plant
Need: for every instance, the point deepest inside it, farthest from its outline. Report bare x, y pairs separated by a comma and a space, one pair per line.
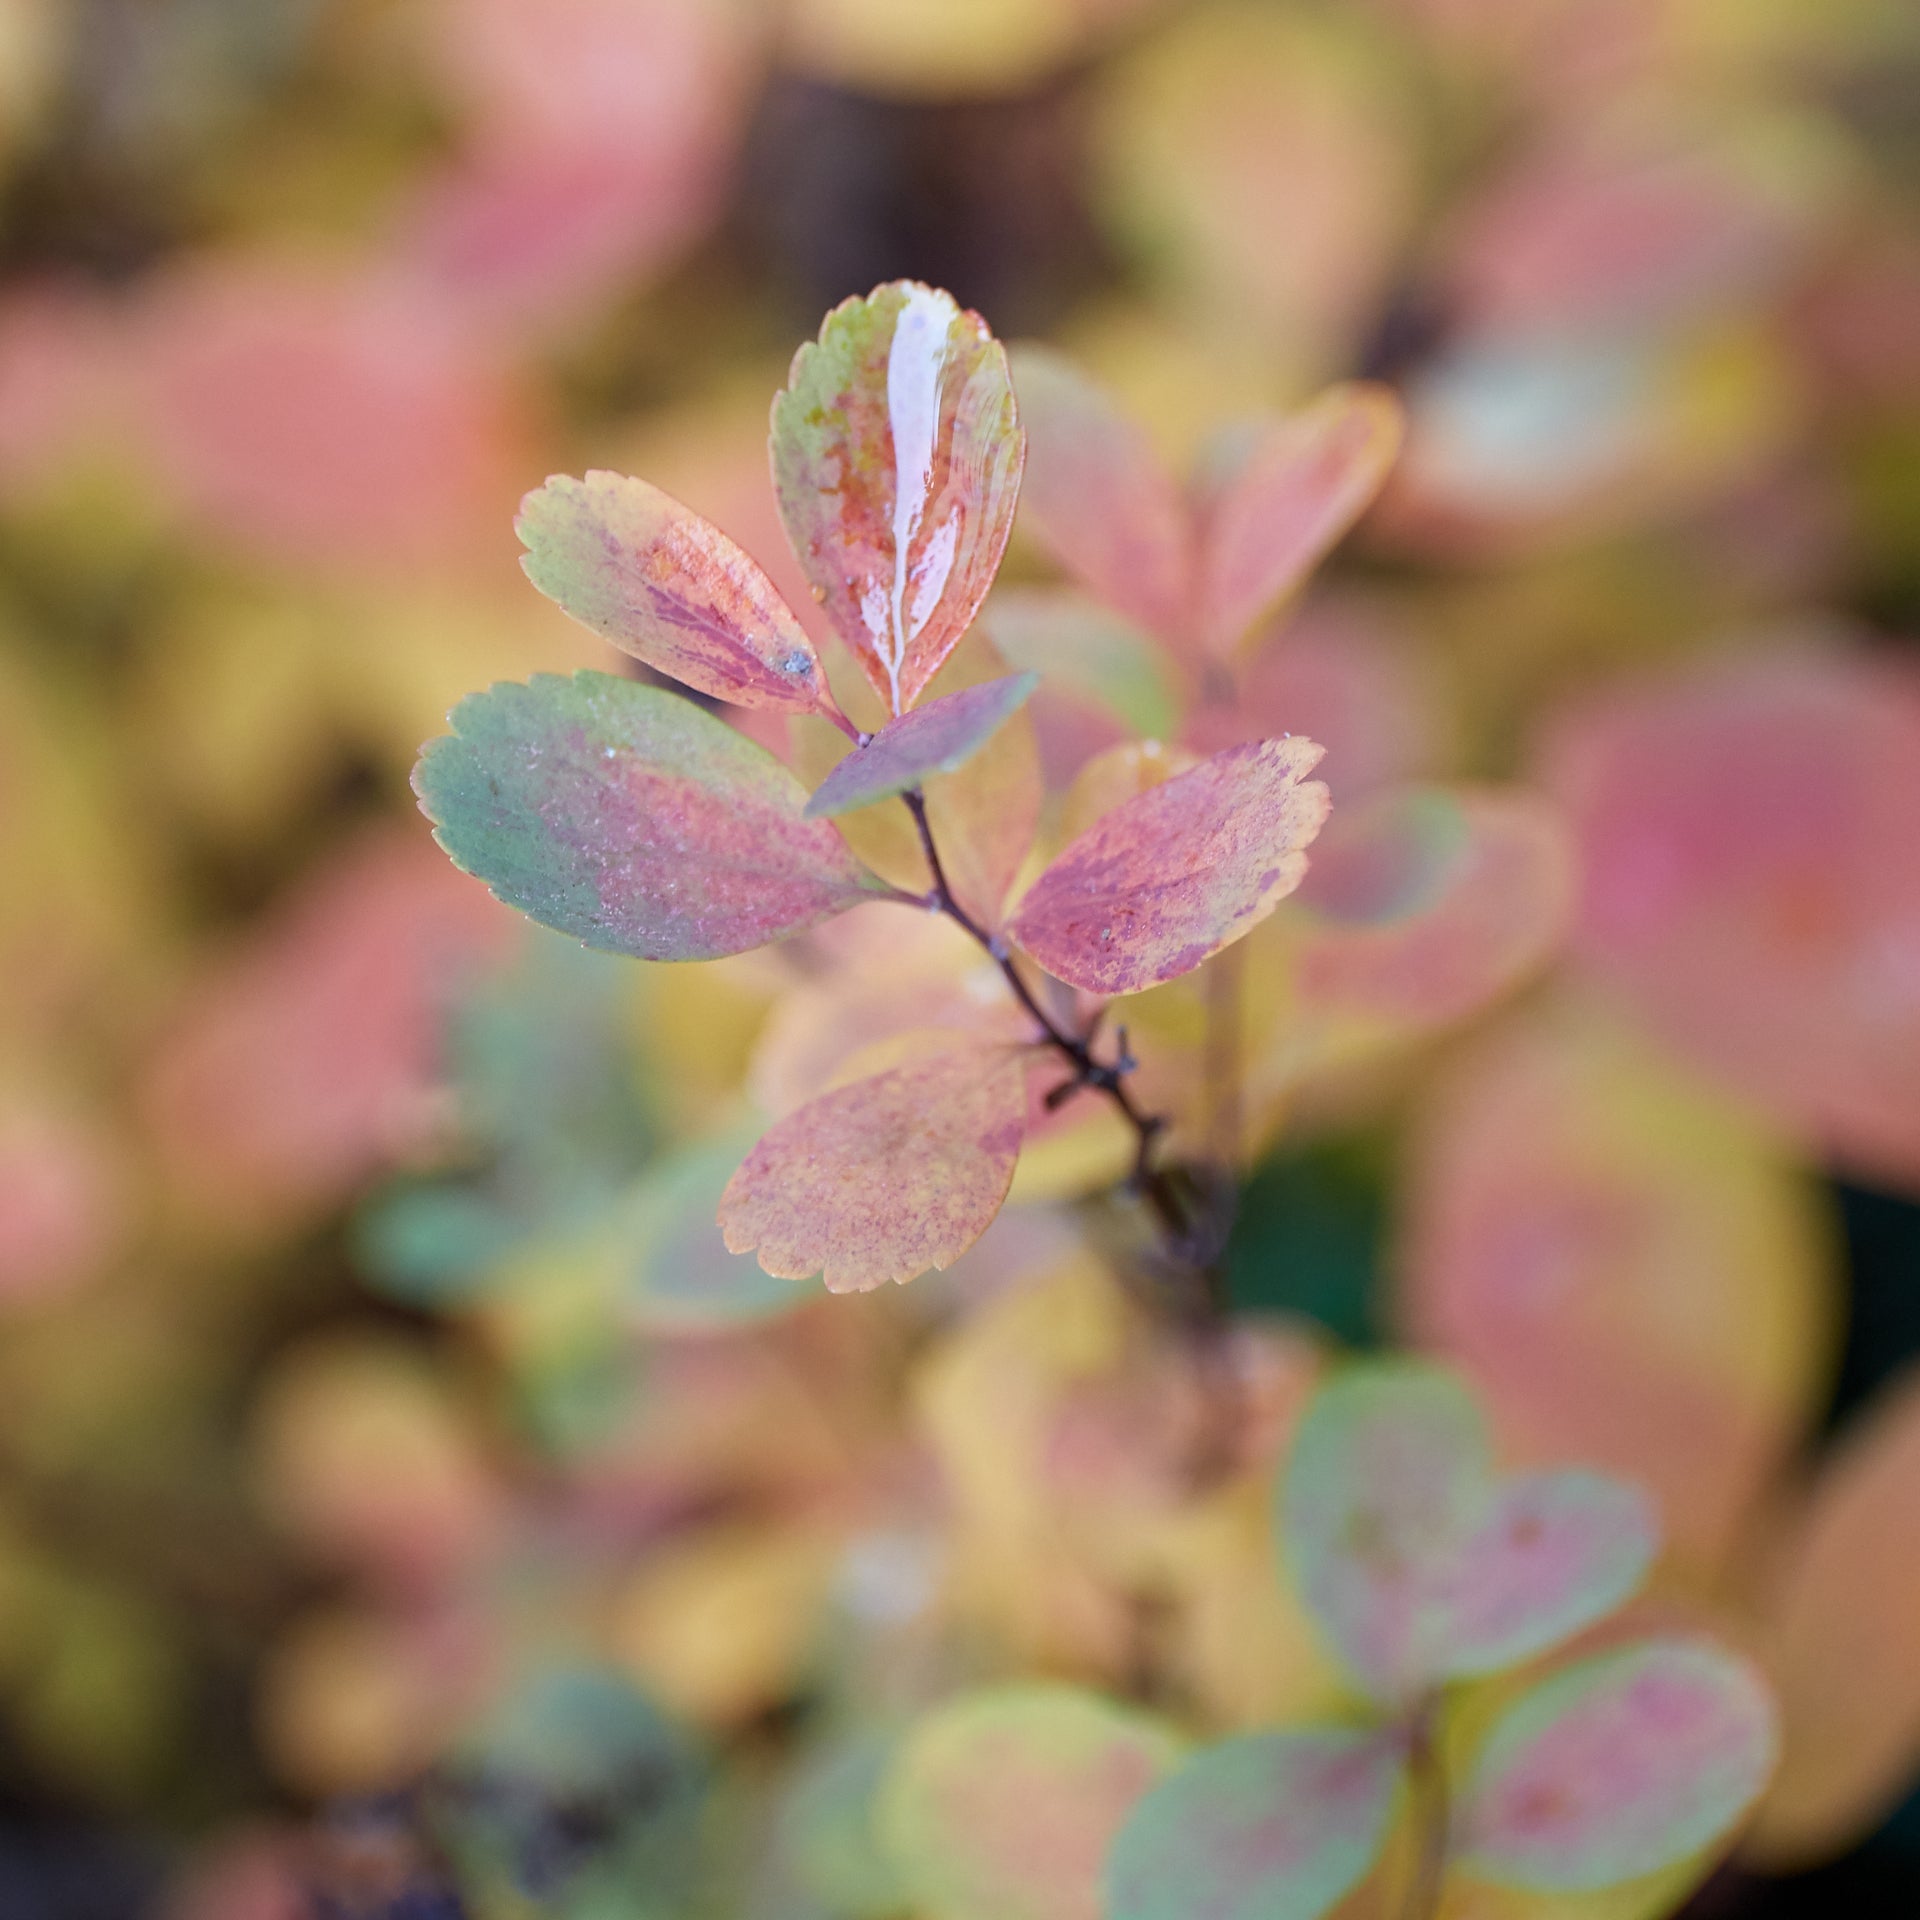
640, 821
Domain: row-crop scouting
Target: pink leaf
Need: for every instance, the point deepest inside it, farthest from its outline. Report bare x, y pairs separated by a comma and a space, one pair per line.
886, 1177
1554, 1552
309, 1058
1626, 232
1618, 1766
1096, 493
1171, 876
316, 417
1425, 903
896, 459
63, 1206
940, 737
1752, 881
669, 588
1416, 1562
1306, 482
1340, 668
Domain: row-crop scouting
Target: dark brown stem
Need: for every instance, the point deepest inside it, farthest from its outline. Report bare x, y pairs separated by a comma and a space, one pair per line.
1433, 1811
1160, 1192
1191, 1205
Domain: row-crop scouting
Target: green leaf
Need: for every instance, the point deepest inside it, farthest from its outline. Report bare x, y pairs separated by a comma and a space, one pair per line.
632, 819
1002, 1804
828, 1838
1416, 1563
1088, 653
940, 737
896, 462
1275, 1826
436, 1245
676, 1270
1618, 1766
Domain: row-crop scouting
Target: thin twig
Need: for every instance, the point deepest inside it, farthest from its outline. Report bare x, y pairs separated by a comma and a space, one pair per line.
1108, 1077
1192, 1205
1434, 1813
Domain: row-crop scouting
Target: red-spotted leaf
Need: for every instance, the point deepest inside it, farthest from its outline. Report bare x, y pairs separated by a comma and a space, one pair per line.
1618, 1766
1274, 1826
882, 1179
896, 462
1307, 480
669, 588
1168, 878
632, 819
1416, 1563
1002, 1804
940, 737
1097, 495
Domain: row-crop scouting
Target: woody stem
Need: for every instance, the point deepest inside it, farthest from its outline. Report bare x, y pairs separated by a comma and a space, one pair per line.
1435, 1816
1109, 1078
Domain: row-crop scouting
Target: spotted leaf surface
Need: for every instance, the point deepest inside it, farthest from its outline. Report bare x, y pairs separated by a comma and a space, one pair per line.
1168, 878
883, 1178
940, 737
1002, 1804
631, 819
1618, 1766
669, 588
1307, 480
1096, 493
1274, 1826
1416, 1563
896, 462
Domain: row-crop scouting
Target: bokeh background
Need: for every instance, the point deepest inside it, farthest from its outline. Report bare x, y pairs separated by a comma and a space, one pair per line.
369, 1370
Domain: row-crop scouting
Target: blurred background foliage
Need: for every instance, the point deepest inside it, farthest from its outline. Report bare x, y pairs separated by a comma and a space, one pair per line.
397, 1478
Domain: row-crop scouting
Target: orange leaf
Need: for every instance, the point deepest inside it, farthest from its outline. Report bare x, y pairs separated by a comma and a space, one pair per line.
1845, 1661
